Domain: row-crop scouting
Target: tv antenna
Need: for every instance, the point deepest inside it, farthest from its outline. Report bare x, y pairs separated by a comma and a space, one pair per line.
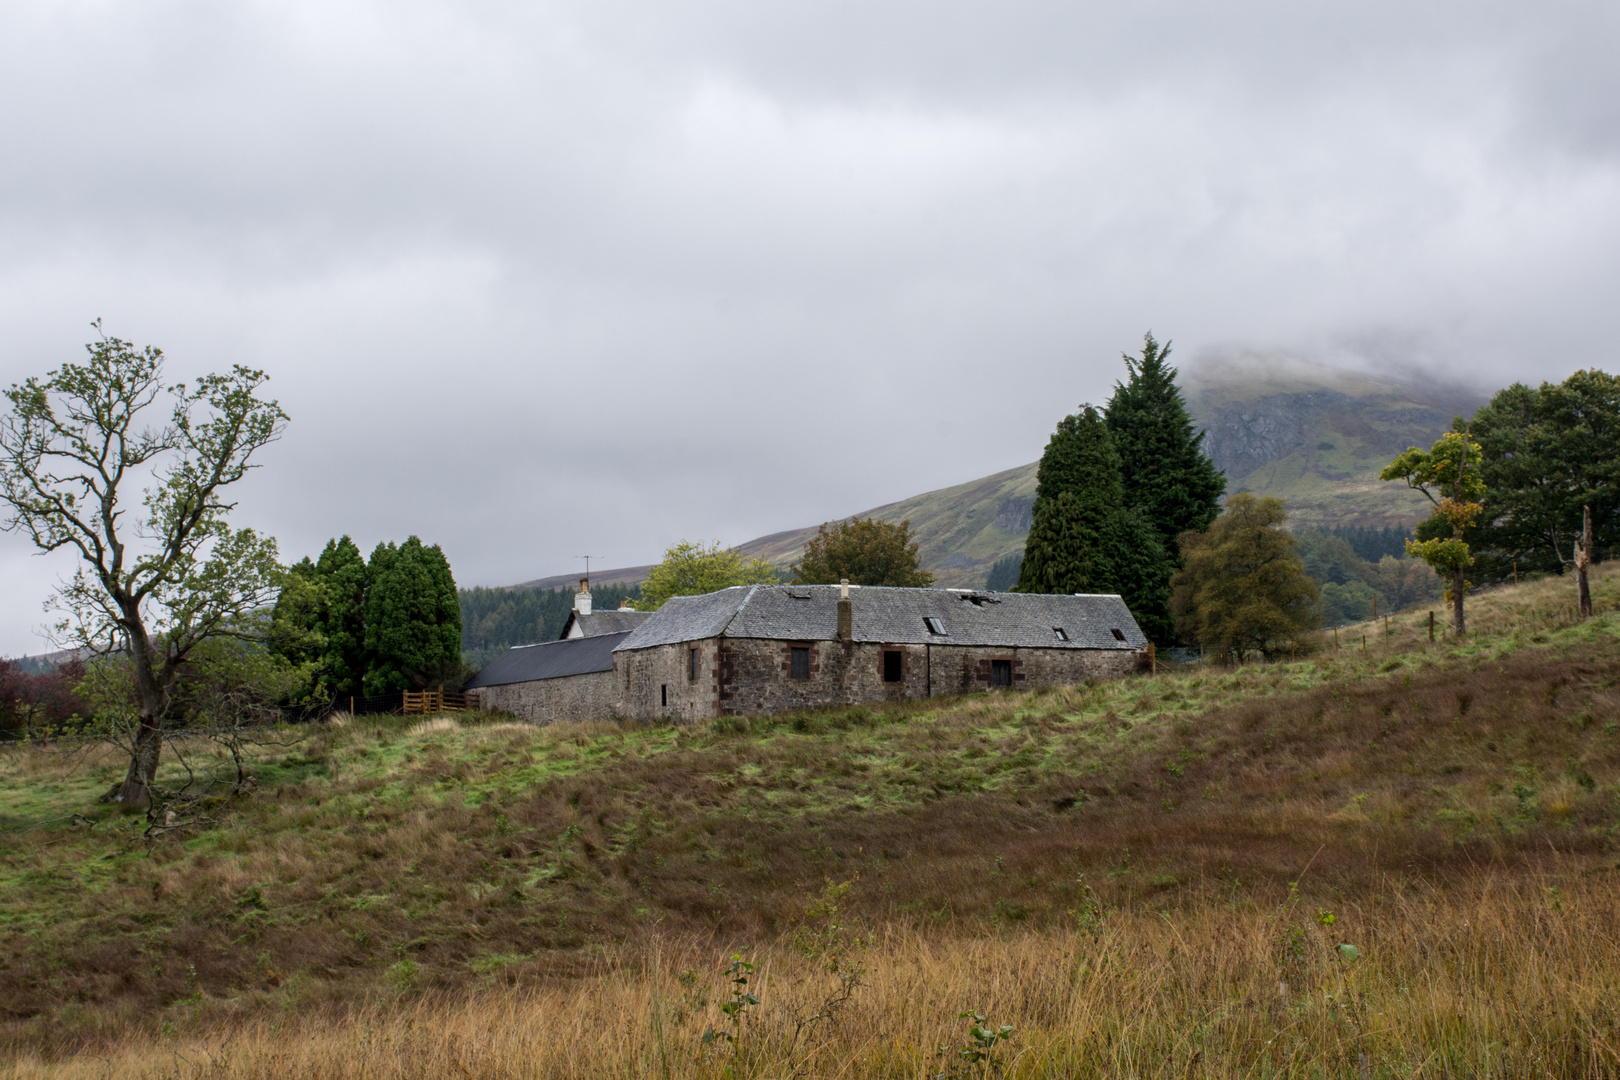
587, 559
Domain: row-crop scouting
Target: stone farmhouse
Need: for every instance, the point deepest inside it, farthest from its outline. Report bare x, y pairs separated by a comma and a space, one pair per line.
773, 648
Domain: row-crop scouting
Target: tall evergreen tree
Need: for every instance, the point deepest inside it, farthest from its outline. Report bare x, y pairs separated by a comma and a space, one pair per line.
342, 569
1140, 571
413, 620
300, 615
1077, 492
1083, 537
1166, 472
328, 620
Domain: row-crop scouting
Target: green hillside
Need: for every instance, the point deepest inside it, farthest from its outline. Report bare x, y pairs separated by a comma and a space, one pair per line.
385, 870
962, 530
1313, 435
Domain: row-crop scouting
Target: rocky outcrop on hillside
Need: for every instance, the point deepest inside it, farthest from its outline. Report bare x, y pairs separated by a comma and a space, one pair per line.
1016, 514
1241, 439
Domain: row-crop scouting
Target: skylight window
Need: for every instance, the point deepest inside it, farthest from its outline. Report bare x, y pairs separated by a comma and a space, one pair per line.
1119, 635
1059, 633
935, 626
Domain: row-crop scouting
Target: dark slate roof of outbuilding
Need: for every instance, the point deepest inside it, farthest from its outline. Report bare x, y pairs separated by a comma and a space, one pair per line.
611, 621
550, 660
690, 618
894, 616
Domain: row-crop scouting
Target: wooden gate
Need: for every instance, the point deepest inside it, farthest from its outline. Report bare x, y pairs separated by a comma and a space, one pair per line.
433, 701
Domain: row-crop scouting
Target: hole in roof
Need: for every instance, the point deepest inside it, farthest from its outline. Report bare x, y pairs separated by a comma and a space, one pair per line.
1060, 633
799, 595
935, 626
1119, 635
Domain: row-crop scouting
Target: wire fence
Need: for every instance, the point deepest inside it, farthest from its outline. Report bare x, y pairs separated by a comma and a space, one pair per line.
400, 703
356, 705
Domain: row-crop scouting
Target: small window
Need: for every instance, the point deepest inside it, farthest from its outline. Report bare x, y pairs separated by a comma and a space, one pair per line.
1059, 633
692, 665
935, 626
893, 665
1119, 635
1001, 673
799, 667
663, 694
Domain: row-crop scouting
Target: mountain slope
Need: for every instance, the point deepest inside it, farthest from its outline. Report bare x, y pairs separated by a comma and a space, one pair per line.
1312, 435
961, 530
1317, 436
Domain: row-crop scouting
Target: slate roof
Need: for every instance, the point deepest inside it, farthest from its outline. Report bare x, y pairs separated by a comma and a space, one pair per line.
611, 621
550, 660
894, 616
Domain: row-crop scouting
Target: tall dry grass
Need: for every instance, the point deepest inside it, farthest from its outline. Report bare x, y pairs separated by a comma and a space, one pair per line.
1490, 979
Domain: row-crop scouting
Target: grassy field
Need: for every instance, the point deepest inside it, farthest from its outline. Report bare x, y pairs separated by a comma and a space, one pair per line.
1150, 877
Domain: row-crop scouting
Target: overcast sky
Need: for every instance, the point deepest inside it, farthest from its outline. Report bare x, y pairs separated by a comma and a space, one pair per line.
545, 279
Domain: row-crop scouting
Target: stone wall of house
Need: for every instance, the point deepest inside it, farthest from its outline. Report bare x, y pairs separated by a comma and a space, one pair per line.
656, 683
963, 669
591, 696
755, 674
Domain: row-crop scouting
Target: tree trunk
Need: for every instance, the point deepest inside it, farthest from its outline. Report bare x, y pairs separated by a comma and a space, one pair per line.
1583, 559
1459, 585
136, 790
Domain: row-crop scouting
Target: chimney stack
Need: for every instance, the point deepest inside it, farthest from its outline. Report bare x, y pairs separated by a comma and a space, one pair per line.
846, 615
582, 599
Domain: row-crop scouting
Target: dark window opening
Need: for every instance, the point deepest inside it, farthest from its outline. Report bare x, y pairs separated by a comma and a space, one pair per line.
892, 665
692, 665
1119, 635
663, 694
1001, 673
935, 626
1060, 633
800, 666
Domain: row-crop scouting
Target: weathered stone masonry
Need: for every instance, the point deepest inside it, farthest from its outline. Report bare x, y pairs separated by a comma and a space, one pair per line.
595, 694
750, 676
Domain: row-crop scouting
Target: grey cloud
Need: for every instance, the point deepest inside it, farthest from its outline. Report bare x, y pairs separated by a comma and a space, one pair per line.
537, 279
